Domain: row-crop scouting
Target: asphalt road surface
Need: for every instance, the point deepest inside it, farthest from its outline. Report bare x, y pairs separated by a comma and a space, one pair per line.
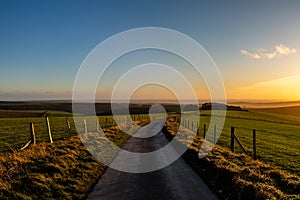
176, 181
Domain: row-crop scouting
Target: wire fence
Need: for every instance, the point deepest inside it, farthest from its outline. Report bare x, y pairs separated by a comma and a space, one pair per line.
274, 143
15, 133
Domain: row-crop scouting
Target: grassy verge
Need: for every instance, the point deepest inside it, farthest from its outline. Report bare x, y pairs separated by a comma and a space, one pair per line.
238, 176
62, 170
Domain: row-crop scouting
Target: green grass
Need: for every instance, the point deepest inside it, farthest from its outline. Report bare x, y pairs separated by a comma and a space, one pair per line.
32, 113
15, 132
277, 136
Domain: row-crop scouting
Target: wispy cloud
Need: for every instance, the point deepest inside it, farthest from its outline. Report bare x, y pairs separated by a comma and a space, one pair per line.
261, 53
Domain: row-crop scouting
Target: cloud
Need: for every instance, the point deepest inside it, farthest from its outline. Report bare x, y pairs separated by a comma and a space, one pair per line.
251, 55
277, 51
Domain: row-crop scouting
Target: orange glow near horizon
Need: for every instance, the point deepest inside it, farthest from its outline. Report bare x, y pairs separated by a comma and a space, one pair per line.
284, 89
287, 88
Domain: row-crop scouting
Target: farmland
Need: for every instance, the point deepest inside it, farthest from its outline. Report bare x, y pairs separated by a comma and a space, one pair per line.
277, 144
289, 110
277, 135
15, 132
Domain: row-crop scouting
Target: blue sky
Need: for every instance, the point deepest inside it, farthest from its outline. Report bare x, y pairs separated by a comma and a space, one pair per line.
43, 43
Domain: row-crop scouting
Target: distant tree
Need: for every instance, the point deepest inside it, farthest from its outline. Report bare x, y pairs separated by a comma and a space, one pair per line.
219, 106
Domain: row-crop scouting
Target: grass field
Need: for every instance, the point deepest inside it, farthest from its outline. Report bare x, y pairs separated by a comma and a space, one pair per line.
15, 132
278, 144
277, 135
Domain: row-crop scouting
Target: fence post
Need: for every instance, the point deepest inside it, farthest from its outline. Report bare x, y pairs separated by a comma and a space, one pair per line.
192, 126
197, 128
85, 126
33, 140
254, 144
97, 125
188, 124
215, 134
68, 125
106, 121
204, 129
49, 130
232, 139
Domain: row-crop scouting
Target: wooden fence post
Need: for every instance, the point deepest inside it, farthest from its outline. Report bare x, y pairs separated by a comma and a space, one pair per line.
204, 129
215, 134
33, 140
106, 121
97, 125
239, 143
254, 145
198, 128
85, 126
49, 130
192, 126
68, 126
232, 139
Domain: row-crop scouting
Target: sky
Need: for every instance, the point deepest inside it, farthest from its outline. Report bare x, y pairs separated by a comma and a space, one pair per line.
255, 44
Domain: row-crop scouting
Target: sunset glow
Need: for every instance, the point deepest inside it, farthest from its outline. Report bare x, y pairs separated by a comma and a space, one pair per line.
255, 45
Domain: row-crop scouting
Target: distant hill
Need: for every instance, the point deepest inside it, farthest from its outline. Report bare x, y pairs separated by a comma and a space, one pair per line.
35, 108
289, 110
264, 104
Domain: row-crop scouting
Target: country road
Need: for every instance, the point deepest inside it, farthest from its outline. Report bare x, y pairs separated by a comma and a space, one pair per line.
176, 181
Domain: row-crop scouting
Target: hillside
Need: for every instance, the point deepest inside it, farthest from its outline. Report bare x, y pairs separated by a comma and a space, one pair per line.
290, 110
